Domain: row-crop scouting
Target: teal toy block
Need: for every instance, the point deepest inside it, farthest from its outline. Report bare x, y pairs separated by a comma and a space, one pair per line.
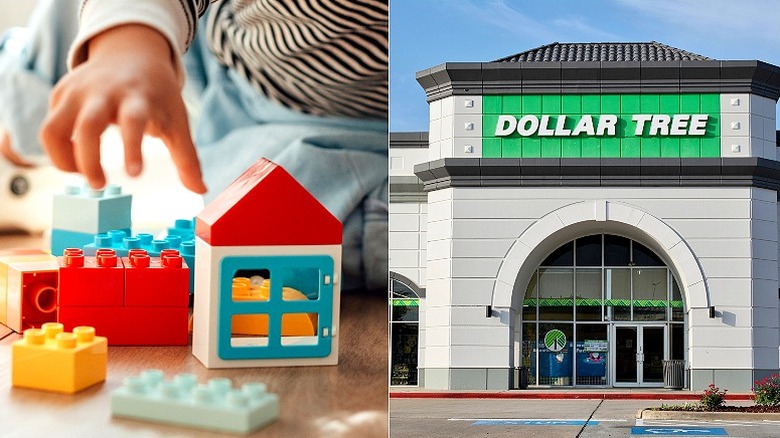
122, 241
61, 239
84, 210
184, 228
181, 401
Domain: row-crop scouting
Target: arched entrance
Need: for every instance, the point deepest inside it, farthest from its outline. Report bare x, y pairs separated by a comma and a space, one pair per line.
404, 330
601, 309
538, 242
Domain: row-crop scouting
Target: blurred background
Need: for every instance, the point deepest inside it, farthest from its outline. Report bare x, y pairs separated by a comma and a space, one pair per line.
26, 193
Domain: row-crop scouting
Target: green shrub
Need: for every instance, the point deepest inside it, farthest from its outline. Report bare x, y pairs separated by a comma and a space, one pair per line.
767, 392
712, 397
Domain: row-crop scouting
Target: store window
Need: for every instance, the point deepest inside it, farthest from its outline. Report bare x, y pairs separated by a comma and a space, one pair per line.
578, 292
404, 333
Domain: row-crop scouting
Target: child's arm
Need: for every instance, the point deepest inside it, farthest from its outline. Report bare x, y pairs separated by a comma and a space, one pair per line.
129, 79
126, 70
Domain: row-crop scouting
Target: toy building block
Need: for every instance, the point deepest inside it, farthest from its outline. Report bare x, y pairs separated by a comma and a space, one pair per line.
156, 281
11, 256
293, 232
91, 281
132, 325
138, 300
31, 298
80, 213
215, 405
85, 210
53, 360
63, 239
184, 228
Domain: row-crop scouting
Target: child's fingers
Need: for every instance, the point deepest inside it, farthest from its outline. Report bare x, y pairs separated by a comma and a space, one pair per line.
55, 136
183, 153
92, 121
132, 118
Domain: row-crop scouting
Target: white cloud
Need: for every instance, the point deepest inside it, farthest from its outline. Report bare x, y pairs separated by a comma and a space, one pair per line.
509, 16
721, 19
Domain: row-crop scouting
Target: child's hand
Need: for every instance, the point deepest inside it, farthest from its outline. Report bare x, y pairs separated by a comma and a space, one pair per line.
128, 79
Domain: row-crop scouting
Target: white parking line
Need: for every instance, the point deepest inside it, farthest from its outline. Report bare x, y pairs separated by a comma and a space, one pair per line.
683, 423
531, 419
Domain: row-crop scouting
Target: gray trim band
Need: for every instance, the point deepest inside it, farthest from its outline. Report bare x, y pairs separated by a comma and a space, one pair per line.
407, 189
412, 140
600, 77
599, 172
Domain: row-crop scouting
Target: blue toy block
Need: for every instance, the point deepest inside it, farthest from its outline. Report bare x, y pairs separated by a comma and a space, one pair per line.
185, 228
187, 251
61, 239
84, 210
122, 241
182, 401
275, 307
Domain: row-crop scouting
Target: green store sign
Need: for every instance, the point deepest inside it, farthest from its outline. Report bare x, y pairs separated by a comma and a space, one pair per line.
608, 126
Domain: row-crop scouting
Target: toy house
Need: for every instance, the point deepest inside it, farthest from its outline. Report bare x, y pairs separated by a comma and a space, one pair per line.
266, 251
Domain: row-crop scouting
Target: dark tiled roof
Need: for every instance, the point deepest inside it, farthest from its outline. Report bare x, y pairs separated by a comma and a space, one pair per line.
652, 51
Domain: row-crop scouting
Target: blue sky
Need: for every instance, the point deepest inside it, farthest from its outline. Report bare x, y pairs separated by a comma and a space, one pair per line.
424, 33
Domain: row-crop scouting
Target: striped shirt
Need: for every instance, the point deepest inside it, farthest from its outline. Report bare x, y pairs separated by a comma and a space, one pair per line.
321, 57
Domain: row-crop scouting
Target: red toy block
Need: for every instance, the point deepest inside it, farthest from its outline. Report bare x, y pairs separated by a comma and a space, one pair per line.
132, 325
91, 281
156, 281
266, 206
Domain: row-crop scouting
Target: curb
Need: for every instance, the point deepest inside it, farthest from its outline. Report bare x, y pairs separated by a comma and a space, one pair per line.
558, 395
647, 414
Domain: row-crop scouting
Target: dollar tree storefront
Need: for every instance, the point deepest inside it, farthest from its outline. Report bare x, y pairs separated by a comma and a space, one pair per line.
599, 215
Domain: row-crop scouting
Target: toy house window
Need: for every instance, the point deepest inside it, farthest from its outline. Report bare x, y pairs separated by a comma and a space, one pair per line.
276, 307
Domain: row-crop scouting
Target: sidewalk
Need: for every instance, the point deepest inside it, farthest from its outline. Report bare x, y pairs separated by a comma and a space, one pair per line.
561, 394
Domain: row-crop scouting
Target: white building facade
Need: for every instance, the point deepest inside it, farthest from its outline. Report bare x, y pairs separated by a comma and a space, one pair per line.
591, 220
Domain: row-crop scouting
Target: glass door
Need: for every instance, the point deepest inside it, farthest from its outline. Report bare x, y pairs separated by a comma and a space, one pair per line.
653, 347
639, 352
626, 355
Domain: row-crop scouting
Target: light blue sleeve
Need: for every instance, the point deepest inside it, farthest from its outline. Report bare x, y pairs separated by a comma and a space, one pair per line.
32, 59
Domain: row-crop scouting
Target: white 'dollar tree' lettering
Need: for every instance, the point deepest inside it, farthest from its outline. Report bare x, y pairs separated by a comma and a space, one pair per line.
544, 126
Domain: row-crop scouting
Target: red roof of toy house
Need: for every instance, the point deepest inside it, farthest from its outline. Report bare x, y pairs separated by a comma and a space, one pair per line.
266, 206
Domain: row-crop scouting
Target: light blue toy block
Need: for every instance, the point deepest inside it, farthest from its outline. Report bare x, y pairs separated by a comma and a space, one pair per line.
275, 307
215, 405
184, 228
122, 242
90, 211
187, 251
61, 239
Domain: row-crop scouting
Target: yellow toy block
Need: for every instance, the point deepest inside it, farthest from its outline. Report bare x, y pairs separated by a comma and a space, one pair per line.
52, 360
293, 324
8, 257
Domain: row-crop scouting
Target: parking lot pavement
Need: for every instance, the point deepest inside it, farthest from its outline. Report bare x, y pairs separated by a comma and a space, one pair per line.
552, 419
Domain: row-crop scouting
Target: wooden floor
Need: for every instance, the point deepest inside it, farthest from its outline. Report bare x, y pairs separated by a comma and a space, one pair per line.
338, 401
